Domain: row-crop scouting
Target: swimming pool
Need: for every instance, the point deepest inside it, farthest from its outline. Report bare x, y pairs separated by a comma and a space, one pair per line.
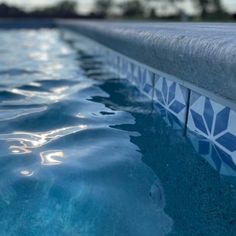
83, 152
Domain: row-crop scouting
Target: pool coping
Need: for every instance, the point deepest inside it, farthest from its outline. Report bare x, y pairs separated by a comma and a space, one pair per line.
200, 56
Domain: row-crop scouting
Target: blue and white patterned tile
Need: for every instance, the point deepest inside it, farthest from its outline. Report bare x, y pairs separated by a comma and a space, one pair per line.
135, 73
112, 60
171, 96
216, 157
170, 119
126, 69
130, 68
123, 67
144, 80
215, 122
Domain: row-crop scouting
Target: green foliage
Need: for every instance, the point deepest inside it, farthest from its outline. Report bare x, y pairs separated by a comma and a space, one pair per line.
132, 8
65, 7
102, 7
210, 9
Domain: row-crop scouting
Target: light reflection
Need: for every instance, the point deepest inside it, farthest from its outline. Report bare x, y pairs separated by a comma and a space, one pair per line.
60, 90
28, 141
40, 56
27, 173
83, 127
35, 84
38, 97
65, 51
28, 93
43, 96
48, 158
81, 116
19, 150
44, 47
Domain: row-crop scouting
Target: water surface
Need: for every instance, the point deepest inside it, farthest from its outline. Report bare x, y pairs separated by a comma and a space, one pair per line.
82, 152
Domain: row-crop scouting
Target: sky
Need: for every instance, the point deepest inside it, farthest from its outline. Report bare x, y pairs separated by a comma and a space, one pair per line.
85, 5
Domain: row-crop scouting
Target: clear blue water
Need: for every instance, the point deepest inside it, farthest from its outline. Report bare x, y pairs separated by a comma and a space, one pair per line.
84, 153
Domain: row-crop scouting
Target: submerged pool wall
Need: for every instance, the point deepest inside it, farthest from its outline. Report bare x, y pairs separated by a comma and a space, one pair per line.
188, 70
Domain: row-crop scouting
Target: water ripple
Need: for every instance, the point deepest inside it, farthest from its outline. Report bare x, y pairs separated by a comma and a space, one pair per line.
10, 114
28, 141
67, 165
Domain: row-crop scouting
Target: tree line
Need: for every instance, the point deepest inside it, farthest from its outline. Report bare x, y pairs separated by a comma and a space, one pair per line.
136, 9
205, 9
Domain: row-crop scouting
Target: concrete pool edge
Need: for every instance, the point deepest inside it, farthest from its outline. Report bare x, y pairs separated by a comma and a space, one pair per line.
200, 55
203, 112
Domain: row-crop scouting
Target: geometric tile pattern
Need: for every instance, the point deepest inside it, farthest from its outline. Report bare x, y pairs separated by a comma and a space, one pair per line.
136, 74
143, 79
215, 156
125, 68
212, 126
171, 96
170, 119
216, 123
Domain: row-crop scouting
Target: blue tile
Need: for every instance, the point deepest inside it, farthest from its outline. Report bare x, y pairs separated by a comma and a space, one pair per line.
171, 96
228, 141
222, 119
147, 88
160, 97
208, 114
226, 158
194, 97
177, 107
164, 89
198, 121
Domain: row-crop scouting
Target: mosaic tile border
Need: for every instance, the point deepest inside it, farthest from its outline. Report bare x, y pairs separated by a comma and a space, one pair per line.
210, 126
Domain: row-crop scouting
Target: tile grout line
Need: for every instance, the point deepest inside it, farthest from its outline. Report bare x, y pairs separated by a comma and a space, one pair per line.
187, 112
153, 90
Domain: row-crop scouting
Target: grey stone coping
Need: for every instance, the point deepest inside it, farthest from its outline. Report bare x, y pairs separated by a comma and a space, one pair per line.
200, 54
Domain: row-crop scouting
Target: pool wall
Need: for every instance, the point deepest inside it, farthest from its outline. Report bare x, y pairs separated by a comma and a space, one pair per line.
188, 70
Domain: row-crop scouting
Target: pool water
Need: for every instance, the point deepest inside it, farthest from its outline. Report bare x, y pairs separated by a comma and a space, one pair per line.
82, 152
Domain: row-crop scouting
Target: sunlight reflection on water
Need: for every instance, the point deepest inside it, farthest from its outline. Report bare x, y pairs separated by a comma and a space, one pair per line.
27, 141
49, 158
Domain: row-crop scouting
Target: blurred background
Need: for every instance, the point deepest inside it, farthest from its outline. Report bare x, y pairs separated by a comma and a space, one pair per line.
173, 10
